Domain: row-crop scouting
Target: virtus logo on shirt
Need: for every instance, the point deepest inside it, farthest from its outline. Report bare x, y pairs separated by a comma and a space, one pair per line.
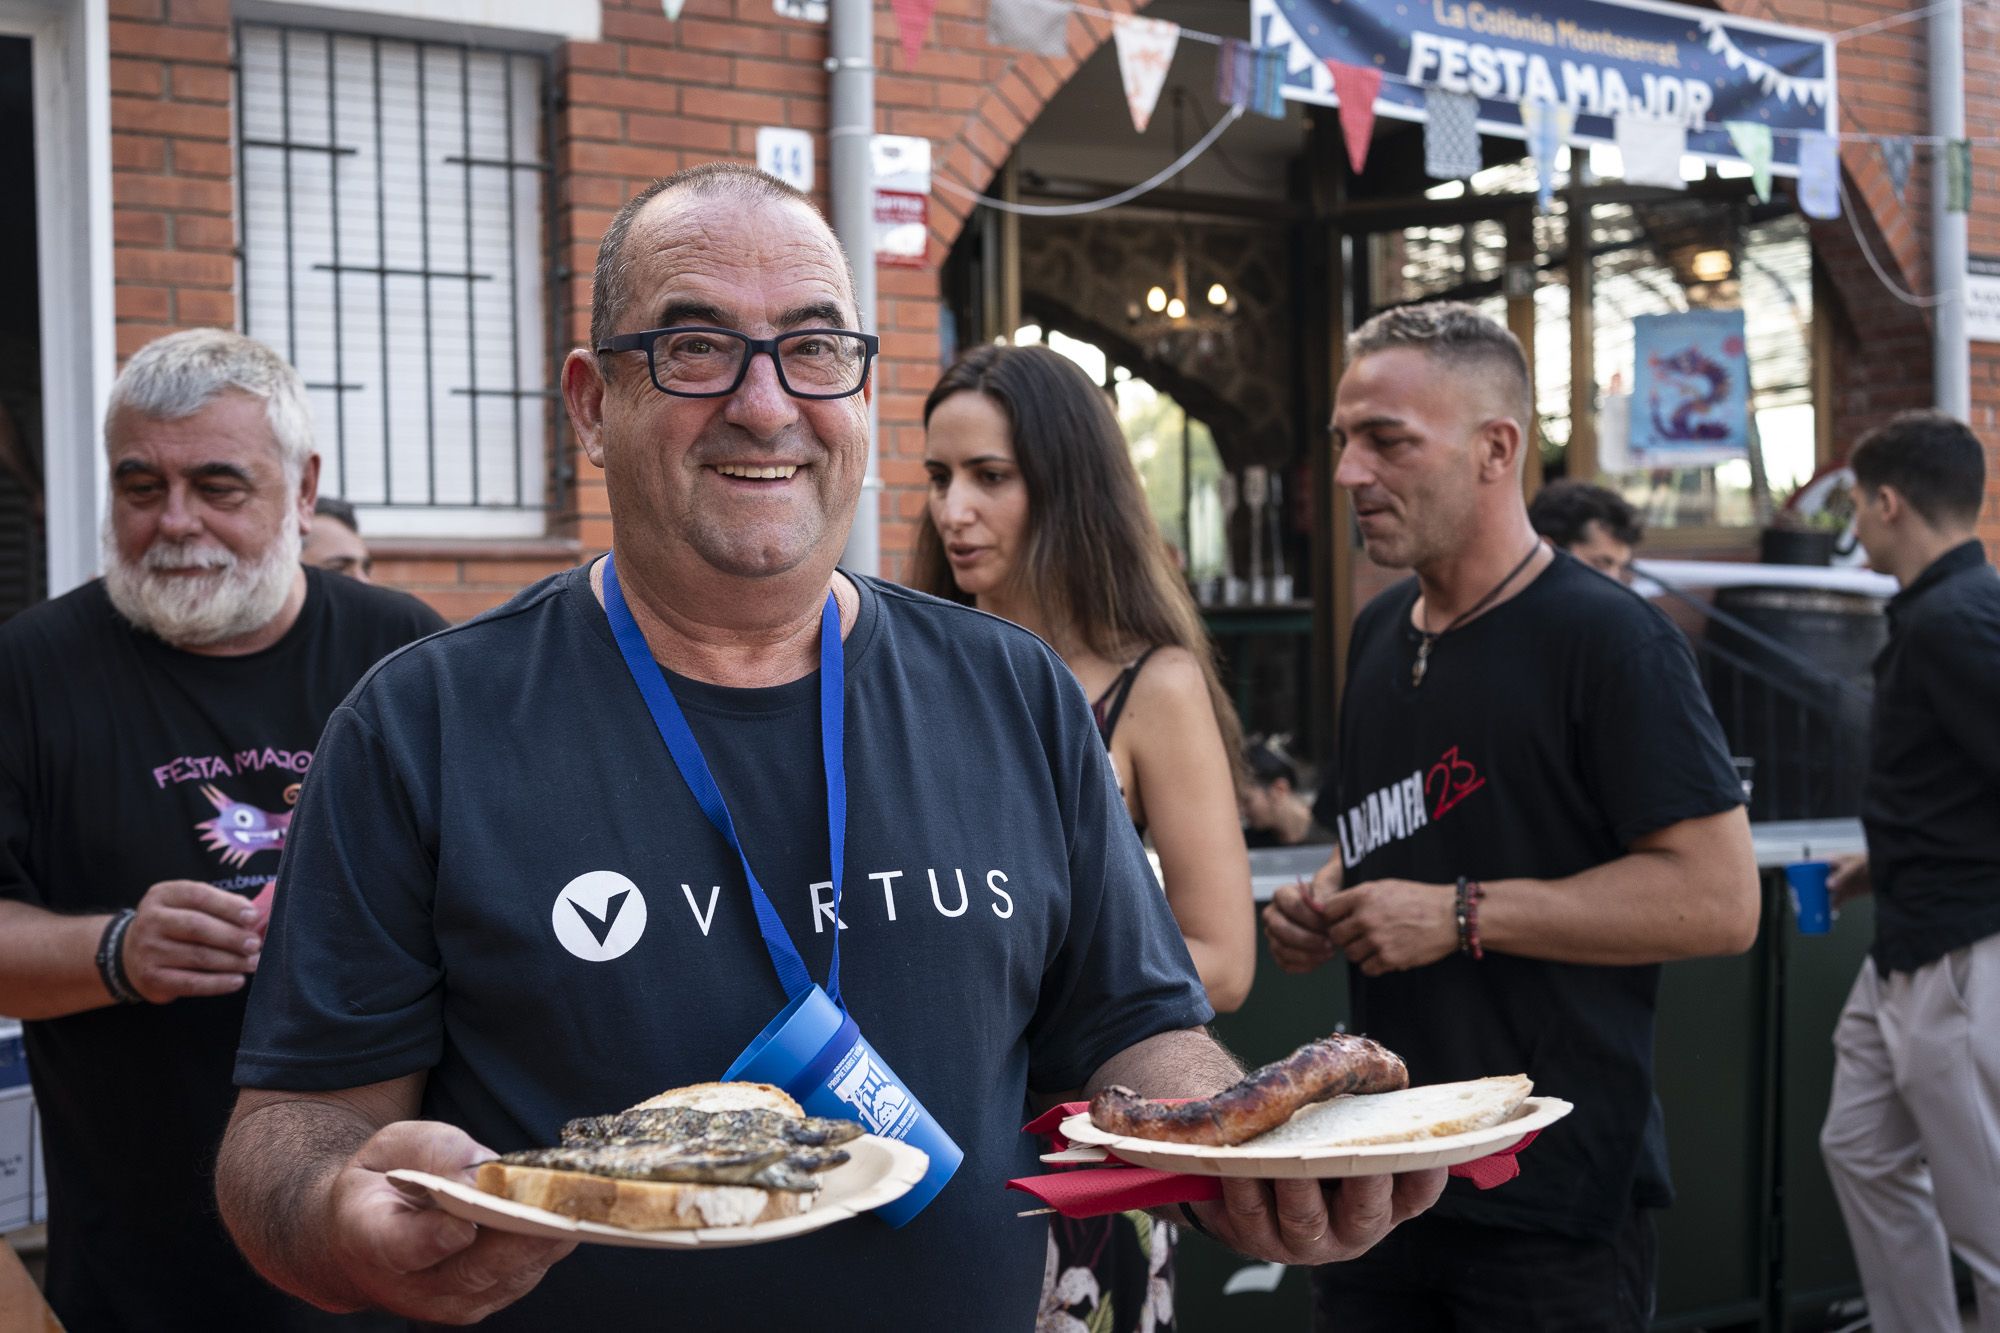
599, 916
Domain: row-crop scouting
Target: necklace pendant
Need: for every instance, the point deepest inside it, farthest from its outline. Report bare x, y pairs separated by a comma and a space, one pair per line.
1421, 665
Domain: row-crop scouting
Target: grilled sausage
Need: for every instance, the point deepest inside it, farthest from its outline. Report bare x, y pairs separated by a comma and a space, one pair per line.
1262, 1100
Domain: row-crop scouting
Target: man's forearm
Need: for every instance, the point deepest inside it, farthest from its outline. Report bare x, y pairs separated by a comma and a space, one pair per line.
274, 1181
48, 962
1183, 1063
1688, 892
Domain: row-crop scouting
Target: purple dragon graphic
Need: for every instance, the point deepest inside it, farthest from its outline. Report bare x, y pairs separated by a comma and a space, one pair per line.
1682, 367
238, 831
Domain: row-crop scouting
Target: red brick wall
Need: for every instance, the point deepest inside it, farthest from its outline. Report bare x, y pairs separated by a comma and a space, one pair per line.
172, 168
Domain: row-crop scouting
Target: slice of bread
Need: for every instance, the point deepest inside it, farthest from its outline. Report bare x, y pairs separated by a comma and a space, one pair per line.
639, 1205
725, 1097
1411, 1115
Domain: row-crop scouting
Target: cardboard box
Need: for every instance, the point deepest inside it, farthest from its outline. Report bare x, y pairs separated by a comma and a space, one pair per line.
23, 1196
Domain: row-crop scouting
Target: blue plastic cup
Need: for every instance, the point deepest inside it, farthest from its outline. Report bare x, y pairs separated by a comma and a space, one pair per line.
1812, 903
816, 1053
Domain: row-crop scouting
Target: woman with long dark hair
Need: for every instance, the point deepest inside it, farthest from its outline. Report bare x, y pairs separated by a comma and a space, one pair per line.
1036, 514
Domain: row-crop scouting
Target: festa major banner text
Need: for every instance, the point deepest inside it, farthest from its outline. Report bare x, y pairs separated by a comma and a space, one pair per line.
1603, 58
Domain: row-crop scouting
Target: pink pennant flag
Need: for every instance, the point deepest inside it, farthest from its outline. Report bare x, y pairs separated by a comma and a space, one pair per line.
1356, 87
1145, 51
913, 19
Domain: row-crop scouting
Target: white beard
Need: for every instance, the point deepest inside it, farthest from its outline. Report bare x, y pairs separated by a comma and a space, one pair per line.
234, 598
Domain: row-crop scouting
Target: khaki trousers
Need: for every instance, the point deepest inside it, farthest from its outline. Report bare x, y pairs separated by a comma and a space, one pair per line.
1912, 1136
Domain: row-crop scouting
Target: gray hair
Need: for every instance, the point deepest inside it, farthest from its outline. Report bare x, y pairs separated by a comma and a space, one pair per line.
610, 284
1457, 335
178, 375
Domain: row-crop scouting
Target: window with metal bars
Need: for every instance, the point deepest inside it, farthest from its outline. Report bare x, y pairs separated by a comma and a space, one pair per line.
394, 248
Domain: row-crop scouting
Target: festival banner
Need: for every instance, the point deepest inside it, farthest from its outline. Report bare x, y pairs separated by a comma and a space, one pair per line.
1819, 176
1040, 26
1145, 53
1600, 58
1451, 135
1357, 87
1651, 149
1899, 154
1691, 390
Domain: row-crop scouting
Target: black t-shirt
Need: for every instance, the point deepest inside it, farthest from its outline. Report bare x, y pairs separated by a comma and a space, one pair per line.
1548, 734
124, 762
1003, 929
1933, 804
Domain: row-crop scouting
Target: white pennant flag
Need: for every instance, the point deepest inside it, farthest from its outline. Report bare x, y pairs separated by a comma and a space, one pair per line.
1652, 147
672, 8
1145, 50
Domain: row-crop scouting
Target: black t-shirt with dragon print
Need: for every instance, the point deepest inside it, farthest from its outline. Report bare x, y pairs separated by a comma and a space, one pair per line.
124, 762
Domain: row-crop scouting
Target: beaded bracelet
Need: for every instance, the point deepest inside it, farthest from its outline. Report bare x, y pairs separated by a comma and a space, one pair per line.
1466, 909
111, 959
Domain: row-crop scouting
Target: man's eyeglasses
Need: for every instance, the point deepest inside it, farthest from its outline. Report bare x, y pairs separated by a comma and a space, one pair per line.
696, 361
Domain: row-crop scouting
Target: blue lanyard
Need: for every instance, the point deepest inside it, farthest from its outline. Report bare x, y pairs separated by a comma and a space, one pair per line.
687, 756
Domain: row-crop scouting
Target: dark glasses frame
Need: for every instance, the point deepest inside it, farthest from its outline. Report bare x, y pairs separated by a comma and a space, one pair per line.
644, 341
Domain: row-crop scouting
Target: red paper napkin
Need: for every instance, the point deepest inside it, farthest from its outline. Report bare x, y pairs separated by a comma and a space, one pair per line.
1118, 1187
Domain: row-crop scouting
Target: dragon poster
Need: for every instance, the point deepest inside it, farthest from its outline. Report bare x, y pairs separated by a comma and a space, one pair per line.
1691, 389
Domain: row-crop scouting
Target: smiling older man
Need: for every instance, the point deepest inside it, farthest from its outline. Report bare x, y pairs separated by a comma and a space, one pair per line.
536, 920
154, 727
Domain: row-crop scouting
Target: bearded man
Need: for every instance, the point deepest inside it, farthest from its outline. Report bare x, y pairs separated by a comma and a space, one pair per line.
154, 729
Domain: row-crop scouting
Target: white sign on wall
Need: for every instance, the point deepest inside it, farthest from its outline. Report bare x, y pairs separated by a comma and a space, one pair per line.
902, 171
786, 154
808, 11
1982, 298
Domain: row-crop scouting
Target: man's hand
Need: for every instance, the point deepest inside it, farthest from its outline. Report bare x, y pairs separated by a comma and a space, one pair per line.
191, 938
412, 1259
1316, 1222
1392, 925
1850, 879
1294, 924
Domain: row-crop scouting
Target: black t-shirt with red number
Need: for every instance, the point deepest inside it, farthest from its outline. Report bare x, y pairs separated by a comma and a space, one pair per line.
1547, 736
124, 762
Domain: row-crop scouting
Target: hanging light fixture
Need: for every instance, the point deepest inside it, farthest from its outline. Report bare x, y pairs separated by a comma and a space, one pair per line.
1218, 294
1156, 300
1177, 309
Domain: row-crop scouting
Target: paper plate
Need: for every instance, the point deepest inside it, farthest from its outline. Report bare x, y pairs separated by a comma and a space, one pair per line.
877, 1171
1305, 1162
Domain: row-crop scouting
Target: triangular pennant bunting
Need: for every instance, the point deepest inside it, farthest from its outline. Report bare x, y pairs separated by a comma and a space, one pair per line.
1451, 135
1651, 148
672, 8
1040, 26
1548, 130
1899, 154
1145, 51
913, 19
1356, 87
1235, 73
1753, 145
1267, 98
1958, 176
1819, 175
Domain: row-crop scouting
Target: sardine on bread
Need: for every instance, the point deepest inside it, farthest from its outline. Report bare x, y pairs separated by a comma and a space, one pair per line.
710, 1155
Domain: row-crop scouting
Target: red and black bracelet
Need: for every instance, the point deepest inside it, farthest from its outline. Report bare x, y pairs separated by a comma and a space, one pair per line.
1470, 891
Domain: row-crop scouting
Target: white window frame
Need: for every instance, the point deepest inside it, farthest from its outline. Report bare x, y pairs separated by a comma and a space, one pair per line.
413, 477
71, 61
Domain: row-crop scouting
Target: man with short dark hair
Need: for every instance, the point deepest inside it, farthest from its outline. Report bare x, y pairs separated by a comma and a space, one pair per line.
516, 925
154, 728
333, 542
1534, 809
1912, 1133
1592, 523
